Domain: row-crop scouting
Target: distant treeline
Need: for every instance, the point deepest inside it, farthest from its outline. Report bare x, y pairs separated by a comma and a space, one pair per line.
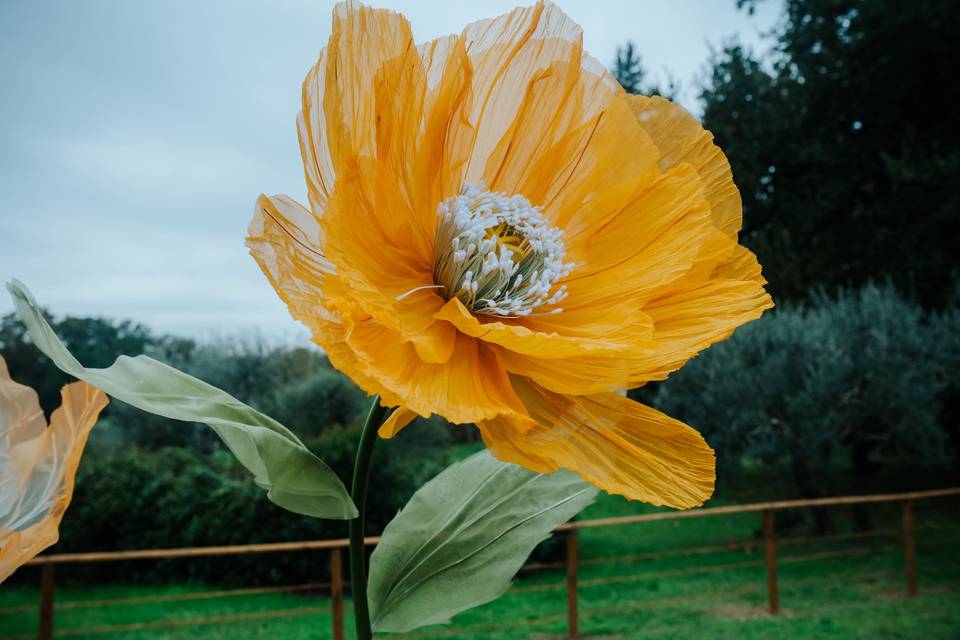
843, 140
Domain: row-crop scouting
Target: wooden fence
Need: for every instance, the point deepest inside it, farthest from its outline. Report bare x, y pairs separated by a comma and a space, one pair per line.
337, 583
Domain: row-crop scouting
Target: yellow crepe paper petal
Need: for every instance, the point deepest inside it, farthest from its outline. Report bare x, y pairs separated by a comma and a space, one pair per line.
638, 255
38, 464
397, 420
617, 444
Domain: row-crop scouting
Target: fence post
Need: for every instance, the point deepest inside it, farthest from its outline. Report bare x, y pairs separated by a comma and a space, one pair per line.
45, 627
770, 546
336, 592
909, 548
573, 630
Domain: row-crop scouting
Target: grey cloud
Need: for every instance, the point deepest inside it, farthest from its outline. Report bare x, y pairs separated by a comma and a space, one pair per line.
135, 137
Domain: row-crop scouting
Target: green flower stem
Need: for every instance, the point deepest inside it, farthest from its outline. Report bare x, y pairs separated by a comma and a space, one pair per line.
358, 556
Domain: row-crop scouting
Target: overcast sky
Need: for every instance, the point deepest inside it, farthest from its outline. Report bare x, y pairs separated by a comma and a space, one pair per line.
136, 135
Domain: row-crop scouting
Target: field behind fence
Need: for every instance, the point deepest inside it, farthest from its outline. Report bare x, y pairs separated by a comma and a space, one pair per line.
602, 581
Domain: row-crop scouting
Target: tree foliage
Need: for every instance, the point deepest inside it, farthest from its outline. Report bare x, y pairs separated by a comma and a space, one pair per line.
629, 71
135, 498
297, 386
95, 341
844, 144
860, 378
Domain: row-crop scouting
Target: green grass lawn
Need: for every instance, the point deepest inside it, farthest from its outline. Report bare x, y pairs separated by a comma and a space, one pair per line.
672, 579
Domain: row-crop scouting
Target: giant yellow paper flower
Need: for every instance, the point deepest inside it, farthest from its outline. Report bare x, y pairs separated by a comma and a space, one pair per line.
38, 464
498, 234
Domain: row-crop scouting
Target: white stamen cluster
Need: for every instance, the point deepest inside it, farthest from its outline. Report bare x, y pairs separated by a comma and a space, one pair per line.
497, 253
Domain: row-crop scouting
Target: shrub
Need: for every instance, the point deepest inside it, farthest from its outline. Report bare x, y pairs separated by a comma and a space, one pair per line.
857, 378
296, 386
323, 399
130, 498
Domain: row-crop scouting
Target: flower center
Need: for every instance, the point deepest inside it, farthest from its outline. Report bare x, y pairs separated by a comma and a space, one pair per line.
497, 254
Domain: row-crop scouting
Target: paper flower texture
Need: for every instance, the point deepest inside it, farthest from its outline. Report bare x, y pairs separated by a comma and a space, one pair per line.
498, 234
38, 464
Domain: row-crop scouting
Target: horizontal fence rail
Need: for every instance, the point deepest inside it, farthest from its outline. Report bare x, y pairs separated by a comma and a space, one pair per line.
337, 583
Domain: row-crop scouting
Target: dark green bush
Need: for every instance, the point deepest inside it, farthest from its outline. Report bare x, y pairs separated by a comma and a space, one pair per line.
945, 327
326, 397
855, 379
296, 386
173, 497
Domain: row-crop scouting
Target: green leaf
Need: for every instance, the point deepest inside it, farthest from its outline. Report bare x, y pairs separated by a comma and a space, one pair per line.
294, 478
463, 536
